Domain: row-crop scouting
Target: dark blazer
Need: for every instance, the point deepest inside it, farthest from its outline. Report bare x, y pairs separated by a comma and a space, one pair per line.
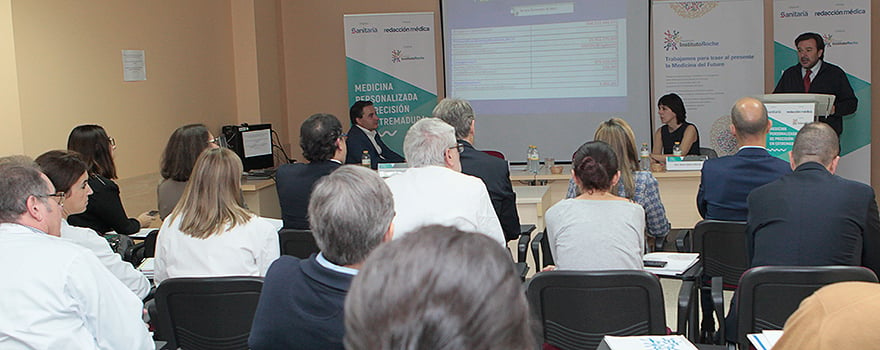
358, 141
301, 306
829, 80
294, 183
105, 212
495, 173
725, 182
811, 217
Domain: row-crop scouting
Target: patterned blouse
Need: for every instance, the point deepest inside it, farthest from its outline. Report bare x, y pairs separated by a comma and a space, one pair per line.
647, 194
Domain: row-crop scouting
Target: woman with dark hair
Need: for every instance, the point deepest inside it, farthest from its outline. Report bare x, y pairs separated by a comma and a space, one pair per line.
69, 175
184, 146
596, 230
210, 233
675, 129
104, 212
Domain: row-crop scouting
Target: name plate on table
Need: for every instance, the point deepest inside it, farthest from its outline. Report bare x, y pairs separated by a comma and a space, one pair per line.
674, 163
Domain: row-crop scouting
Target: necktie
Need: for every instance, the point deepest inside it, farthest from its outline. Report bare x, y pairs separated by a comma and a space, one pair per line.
807, 81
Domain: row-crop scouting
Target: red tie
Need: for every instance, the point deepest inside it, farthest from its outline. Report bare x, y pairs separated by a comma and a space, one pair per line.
807, 81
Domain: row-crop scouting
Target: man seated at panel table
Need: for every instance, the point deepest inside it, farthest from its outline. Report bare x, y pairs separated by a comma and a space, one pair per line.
434, 191
323, 145
812, 217
301, 305
726, 182
364, 136
56, 294
494, 172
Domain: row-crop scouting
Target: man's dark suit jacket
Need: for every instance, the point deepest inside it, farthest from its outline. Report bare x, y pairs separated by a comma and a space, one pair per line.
812, 217
358, 141
829, 80
294, 183
301, 306
496, 175
725, 182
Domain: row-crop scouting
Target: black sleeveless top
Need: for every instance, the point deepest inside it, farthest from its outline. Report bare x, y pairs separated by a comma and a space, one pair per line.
669, 139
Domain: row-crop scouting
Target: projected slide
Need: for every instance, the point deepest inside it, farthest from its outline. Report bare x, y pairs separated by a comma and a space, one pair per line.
561, 60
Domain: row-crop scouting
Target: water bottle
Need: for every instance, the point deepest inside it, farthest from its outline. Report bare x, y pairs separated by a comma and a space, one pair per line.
645, 158
676, 149
365, 159
534, 159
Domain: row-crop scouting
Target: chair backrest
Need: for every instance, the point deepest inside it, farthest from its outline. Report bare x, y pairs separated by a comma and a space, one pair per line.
768, 295
706, 151
494, 153
722, 248
577, 308
298, 243
208, 313
541, 249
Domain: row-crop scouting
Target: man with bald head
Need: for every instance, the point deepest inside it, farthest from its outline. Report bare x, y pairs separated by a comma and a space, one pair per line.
727, 181
812, 217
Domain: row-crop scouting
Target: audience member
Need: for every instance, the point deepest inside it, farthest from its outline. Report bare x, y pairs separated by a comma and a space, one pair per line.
69, 174
412, 294
639, 186
56, 294
494, 172
178, 159
364, 136
596, 230
323, 145
104, 212
434, 191
675, 129
209, 233
727, 181
843, 315
301, 305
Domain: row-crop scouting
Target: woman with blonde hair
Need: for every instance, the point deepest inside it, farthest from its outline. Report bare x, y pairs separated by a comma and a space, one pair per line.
639, 186
210, 233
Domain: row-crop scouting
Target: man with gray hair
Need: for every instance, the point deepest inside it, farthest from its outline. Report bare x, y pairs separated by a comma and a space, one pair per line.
493, 171
56, 294
434, 191
726, 182
301, 304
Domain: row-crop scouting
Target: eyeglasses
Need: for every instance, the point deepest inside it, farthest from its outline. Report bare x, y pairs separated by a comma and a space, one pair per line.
343, 136
459, 147
59, 195
215, 141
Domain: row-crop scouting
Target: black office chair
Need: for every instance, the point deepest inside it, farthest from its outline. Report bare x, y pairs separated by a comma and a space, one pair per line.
207, 313
541, 248
298, 243
522, 245
768, 295
708, 152
576, 309
724, 257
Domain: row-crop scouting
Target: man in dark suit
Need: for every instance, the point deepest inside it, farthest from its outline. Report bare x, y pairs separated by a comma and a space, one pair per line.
726, 182
301, 304
323, 145
363, 136
812, 217
494, 172
813, 75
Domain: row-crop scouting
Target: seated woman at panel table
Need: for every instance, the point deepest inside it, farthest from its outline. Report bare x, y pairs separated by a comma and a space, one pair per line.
675, 129
596, 230
184, 146
104, 212
209, 233
69, 174
639, 186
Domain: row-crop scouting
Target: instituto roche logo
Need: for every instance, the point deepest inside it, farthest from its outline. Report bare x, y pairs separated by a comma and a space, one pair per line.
671, 39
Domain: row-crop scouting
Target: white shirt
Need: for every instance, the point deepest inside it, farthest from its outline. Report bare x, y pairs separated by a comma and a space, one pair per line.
57, 295
435, 195
245, 250
88, 238
371, 134
813, 71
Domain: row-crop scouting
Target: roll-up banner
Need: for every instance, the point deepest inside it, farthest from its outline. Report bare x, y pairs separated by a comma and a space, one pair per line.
390, 61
